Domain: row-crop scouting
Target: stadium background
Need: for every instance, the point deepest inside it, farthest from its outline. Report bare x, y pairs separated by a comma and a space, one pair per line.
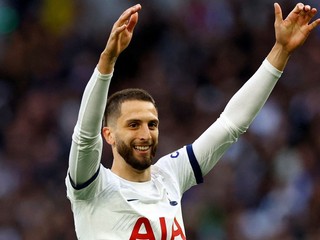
192, 55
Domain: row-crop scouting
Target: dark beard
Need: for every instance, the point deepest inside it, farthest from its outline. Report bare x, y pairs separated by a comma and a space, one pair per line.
126, 153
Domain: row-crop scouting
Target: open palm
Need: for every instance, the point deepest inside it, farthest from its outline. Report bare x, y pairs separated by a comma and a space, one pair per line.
296, 27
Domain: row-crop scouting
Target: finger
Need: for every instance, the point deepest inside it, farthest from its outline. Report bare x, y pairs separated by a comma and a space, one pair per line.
120, 29
312, 13
307, 14
306, 8
277, 13
298, 13
305, 11
314, 24
125, 16
132, 22
298, 8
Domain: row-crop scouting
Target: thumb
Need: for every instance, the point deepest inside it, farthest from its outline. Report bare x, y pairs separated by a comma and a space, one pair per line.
277, 13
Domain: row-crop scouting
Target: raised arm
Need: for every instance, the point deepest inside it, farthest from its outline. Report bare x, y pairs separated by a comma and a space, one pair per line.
291, 32
247, 102
119, 39
86, 147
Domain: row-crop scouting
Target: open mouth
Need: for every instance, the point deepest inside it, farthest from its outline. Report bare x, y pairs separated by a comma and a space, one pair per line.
142, 148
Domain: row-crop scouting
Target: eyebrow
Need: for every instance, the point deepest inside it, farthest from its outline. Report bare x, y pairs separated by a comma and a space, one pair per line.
139, 120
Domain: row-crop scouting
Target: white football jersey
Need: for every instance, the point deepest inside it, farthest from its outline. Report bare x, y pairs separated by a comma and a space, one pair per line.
113, 208
108, 207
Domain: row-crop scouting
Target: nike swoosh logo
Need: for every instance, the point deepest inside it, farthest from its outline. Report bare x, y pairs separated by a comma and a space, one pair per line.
132, 199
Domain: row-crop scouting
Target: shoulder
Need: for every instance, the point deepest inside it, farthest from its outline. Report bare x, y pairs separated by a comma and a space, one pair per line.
104, 180
182, 166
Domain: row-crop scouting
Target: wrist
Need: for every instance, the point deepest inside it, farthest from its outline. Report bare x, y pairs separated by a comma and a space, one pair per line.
278, 56
106, 64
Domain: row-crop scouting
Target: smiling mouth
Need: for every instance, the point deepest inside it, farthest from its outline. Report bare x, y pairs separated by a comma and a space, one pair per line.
142, 148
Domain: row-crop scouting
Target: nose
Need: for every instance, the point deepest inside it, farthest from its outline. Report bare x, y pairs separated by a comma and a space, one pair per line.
144, 133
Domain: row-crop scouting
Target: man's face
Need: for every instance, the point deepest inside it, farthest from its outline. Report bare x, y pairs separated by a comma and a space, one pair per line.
136, 135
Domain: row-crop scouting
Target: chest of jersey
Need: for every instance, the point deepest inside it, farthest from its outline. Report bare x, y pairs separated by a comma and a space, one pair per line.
135, 211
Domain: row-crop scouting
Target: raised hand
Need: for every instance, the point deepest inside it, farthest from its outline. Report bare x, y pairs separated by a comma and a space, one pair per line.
291, 32
119, 39
296, 27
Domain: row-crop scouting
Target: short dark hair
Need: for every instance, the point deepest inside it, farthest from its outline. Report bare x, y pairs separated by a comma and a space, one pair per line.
114, 102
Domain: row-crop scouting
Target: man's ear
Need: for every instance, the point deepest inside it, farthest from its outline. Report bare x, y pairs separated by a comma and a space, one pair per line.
108, 135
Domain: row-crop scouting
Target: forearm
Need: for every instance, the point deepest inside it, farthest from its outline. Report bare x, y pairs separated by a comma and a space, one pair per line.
105, 64
278, 57
236, 118
93, 104
250, 98
86, 145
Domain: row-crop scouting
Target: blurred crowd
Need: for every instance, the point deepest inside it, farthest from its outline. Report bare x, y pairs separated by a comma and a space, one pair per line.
192, 56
